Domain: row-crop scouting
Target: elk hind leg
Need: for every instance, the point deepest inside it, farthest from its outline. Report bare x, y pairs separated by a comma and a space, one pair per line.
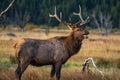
23, 64
18, 72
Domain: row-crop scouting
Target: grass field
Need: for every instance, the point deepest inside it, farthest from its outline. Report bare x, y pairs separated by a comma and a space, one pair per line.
104, 50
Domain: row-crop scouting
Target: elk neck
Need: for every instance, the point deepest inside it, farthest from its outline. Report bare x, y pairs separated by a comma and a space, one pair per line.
72, 45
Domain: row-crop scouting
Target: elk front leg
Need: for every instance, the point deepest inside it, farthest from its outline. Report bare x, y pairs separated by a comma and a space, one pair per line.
52, 71
58, 67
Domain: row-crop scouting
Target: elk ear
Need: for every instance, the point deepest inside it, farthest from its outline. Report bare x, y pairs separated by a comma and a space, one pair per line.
71, 27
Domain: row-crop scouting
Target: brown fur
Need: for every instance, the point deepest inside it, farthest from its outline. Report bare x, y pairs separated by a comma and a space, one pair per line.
54, 51
17, 45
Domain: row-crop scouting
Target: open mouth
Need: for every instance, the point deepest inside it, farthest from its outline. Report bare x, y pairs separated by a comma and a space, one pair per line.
85, 36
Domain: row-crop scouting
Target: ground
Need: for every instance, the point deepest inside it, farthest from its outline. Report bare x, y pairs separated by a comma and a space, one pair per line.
105, 50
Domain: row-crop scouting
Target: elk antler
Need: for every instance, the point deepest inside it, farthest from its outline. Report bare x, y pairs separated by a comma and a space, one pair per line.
55, 15
58, 18
79, 14
7, 8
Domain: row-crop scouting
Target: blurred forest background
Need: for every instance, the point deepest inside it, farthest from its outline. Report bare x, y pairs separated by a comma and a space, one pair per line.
32, 17
36, 12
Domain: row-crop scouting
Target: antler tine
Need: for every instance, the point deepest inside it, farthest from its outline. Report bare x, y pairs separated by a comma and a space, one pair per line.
86, 21
79, 14
83, 21
55, 15
7, 8
61, 15
59, 18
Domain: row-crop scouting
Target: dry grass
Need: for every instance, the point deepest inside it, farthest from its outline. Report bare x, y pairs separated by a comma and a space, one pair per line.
104, 50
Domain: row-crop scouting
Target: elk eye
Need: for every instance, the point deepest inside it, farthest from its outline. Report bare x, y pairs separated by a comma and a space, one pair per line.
78, 29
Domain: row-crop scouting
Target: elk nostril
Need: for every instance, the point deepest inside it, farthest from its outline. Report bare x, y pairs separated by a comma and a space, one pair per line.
87, 32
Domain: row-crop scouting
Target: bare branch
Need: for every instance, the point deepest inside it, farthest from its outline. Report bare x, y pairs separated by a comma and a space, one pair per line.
103, 23
7, 8
93, 62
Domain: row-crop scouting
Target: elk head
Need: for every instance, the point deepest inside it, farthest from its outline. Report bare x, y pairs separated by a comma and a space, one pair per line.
78, 29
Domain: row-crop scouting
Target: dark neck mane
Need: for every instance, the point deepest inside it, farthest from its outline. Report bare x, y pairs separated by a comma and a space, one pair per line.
72, 45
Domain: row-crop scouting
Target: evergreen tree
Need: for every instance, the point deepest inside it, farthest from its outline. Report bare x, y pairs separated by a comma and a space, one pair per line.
39, 9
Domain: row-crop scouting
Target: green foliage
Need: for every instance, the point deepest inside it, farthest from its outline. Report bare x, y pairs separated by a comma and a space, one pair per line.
72, 64
13, 59
5, 63
39, 9
103, 63
118, 65
30, 27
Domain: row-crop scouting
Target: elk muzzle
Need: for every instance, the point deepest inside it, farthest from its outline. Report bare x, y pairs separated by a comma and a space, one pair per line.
86, 34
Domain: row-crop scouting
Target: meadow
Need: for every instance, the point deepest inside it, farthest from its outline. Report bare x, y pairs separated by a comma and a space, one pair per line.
105, 50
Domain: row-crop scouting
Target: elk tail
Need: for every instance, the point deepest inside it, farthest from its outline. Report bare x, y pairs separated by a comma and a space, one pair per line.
17, 46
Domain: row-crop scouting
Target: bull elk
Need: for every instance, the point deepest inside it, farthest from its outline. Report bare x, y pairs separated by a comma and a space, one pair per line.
54, 51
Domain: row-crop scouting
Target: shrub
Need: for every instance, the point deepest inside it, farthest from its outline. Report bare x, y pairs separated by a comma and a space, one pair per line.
30, 27
118, 63
12, 59
4, 62
103, 63
71, 64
